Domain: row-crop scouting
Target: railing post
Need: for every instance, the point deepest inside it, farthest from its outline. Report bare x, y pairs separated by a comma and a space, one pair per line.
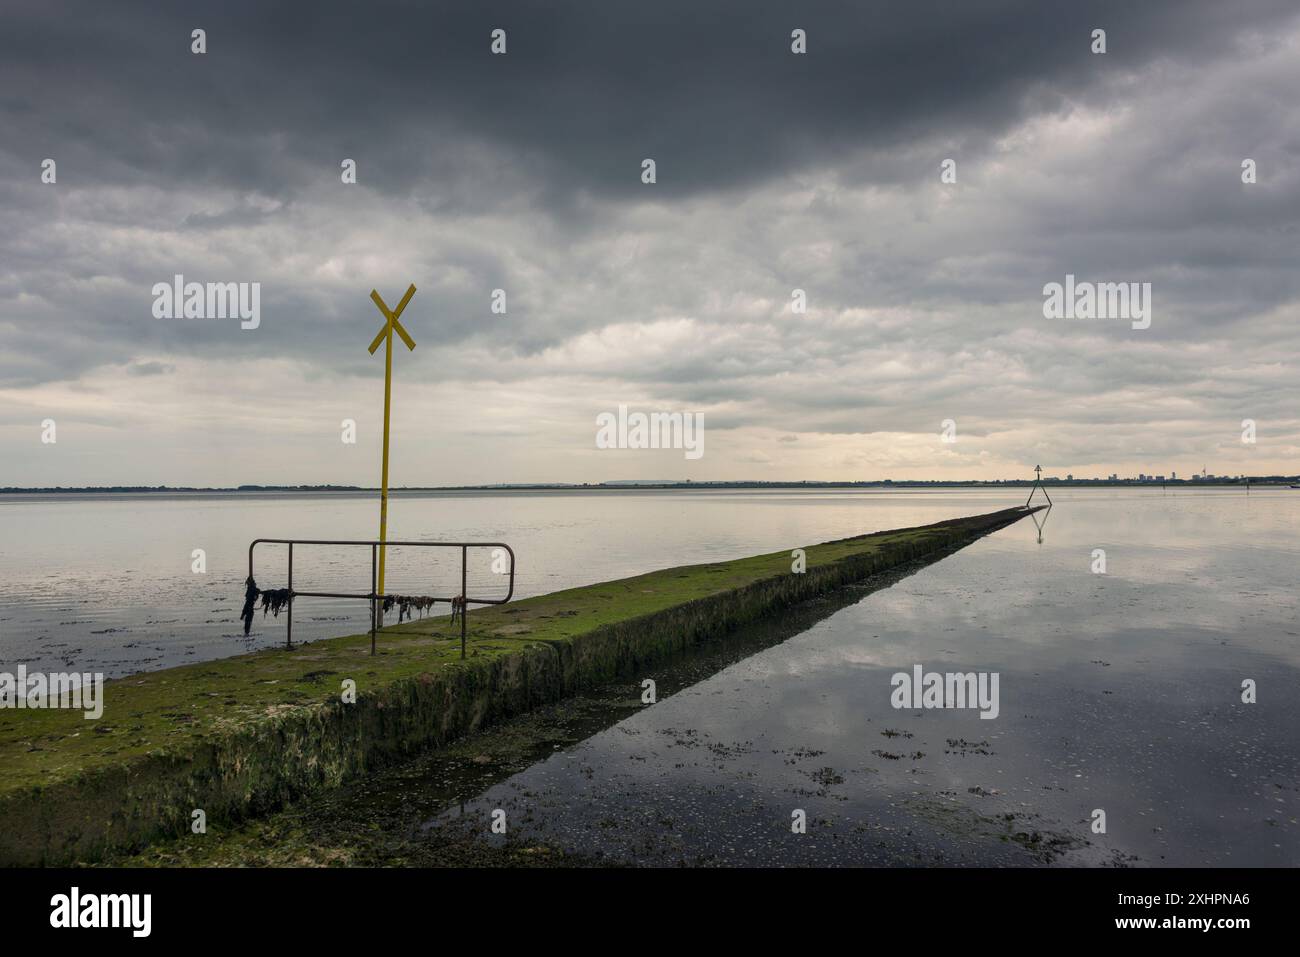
464, 605
374, 583
288, 634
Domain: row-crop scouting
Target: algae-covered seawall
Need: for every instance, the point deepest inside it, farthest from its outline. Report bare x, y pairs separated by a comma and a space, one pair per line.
244, 735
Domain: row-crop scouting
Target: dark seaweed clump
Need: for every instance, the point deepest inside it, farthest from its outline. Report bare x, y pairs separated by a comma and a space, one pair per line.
408, 605
273, 600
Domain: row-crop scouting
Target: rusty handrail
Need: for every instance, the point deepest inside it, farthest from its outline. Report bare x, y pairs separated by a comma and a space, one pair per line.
376, 612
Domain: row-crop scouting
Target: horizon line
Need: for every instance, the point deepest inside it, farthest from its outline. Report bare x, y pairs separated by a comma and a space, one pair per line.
668, 484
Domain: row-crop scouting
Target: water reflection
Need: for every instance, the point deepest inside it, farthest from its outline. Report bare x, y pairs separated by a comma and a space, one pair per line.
1040, 521
1119, 691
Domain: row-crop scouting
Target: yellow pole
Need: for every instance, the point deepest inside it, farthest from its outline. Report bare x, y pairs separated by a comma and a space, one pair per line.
383, 494
385, 336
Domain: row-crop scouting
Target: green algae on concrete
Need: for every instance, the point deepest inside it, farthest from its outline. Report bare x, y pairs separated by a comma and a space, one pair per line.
243, 735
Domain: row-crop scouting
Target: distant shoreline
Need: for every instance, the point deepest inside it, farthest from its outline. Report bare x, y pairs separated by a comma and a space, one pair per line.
1261, 481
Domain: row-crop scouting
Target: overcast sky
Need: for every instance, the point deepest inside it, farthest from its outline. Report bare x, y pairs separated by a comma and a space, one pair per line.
523, 172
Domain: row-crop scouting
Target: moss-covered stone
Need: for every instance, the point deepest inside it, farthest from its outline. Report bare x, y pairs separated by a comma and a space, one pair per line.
243, 735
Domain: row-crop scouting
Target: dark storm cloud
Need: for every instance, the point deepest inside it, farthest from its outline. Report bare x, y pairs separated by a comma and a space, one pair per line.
586, 91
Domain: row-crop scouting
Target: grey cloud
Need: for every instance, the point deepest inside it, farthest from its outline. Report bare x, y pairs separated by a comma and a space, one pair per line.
150, 368
775, 171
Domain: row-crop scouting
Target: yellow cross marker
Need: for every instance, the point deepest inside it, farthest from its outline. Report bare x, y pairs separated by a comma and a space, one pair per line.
386, 336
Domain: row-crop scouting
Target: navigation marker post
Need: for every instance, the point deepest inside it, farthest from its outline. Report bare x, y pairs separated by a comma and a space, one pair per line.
1038, 484
385, 336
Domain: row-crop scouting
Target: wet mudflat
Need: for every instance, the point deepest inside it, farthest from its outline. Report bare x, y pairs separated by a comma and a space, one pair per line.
1119, 692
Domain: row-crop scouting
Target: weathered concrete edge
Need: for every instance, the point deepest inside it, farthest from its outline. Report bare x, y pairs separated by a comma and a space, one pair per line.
265, 763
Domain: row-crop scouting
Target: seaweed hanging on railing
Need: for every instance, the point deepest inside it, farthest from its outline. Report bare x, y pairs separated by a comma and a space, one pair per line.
273, 600
250, 600
407, 605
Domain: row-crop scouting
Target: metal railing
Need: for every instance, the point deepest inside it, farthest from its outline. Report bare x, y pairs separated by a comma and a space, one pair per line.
373, 596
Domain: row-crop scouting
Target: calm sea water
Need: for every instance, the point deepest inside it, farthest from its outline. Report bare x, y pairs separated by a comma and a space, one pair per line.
106, 582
